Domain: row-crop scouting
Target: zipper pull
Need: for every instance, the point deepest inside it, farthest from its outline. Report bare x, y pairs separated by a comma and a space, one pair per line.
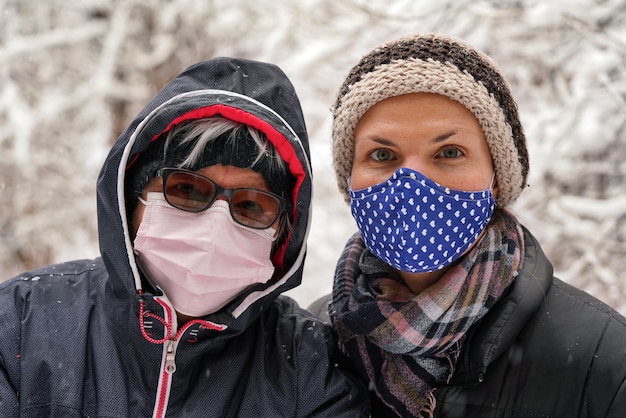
170, 362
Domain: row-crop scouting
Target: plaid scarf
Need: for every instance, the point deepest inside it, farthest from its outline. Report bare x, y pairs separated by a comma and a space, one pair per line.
408, 344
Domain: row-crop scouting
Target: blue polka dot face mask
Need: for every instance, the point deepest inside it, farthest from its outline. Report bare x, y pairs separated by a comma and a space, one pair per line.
416, 225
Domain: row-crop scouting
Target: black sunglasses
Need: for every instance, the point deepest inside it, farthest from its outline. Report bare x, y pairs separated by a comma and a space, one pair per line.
192, 192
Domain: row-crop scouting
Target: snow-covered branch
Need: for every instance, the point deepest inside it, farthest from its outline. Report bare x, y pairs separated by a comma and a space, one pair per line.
74, 73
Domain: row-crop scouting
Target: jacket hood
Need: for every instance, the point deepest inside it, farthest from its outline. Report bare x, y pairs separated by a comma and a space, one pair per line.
254, 93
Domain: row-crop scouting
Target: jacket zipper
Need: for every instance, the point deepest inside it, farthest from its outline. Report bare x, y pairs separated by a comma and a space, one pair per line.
169, 367
169, 361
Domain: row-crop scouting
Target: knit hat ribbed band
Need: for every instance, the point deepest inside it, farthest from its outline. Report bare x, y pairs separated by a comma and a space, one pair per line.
434, 64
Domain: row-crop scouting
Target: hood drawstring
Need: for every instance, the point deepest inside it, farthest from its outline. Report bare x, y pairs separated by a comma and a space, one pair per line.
168, 325
142, 314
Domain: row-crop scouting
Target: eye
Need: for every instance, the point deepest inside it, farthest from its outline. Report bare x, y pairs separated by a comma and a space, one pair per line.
254, 208
189, 191
249, 208
450, 152
185, 188
252, 214
382, 155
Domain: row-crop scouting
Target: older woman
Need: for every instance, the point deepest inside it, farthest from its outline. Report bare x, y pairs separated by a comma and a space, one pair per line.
443, 301
204, 209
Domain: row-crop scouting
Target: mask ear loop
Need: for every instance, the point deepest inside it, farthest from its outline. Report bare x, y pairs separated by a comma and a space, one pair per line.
491, 184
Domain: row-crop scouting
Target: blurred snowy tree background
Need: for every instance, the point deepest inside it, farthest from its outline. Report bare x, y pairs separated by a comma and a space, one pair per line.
75, 72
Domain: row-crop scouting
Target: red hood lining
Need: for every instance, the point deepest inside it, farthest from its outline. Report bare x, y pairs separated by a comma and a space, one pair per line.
282, 145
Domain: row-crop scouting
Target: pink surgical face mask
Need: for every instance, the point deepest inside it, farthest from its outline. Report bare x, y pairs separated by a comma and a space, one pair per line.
202, 260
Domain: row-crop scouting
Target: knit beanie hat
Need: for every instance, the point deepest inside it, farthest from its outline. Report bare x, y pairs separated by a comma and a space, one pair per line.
442, 65
240, 152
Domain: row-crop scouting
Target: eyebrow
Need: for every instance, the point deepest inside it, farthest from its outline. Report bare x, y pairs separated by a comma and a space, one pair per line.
443, 137
437, 139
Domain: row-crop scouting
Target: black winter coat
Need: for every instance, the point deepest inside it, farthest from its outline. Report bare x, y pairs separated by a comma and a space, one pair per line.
546, 349
86, 339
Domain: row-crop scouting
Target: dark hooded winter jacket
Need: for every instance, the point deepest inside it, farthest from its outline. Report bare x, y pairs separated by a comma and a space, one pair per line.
545, 350
85, 339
